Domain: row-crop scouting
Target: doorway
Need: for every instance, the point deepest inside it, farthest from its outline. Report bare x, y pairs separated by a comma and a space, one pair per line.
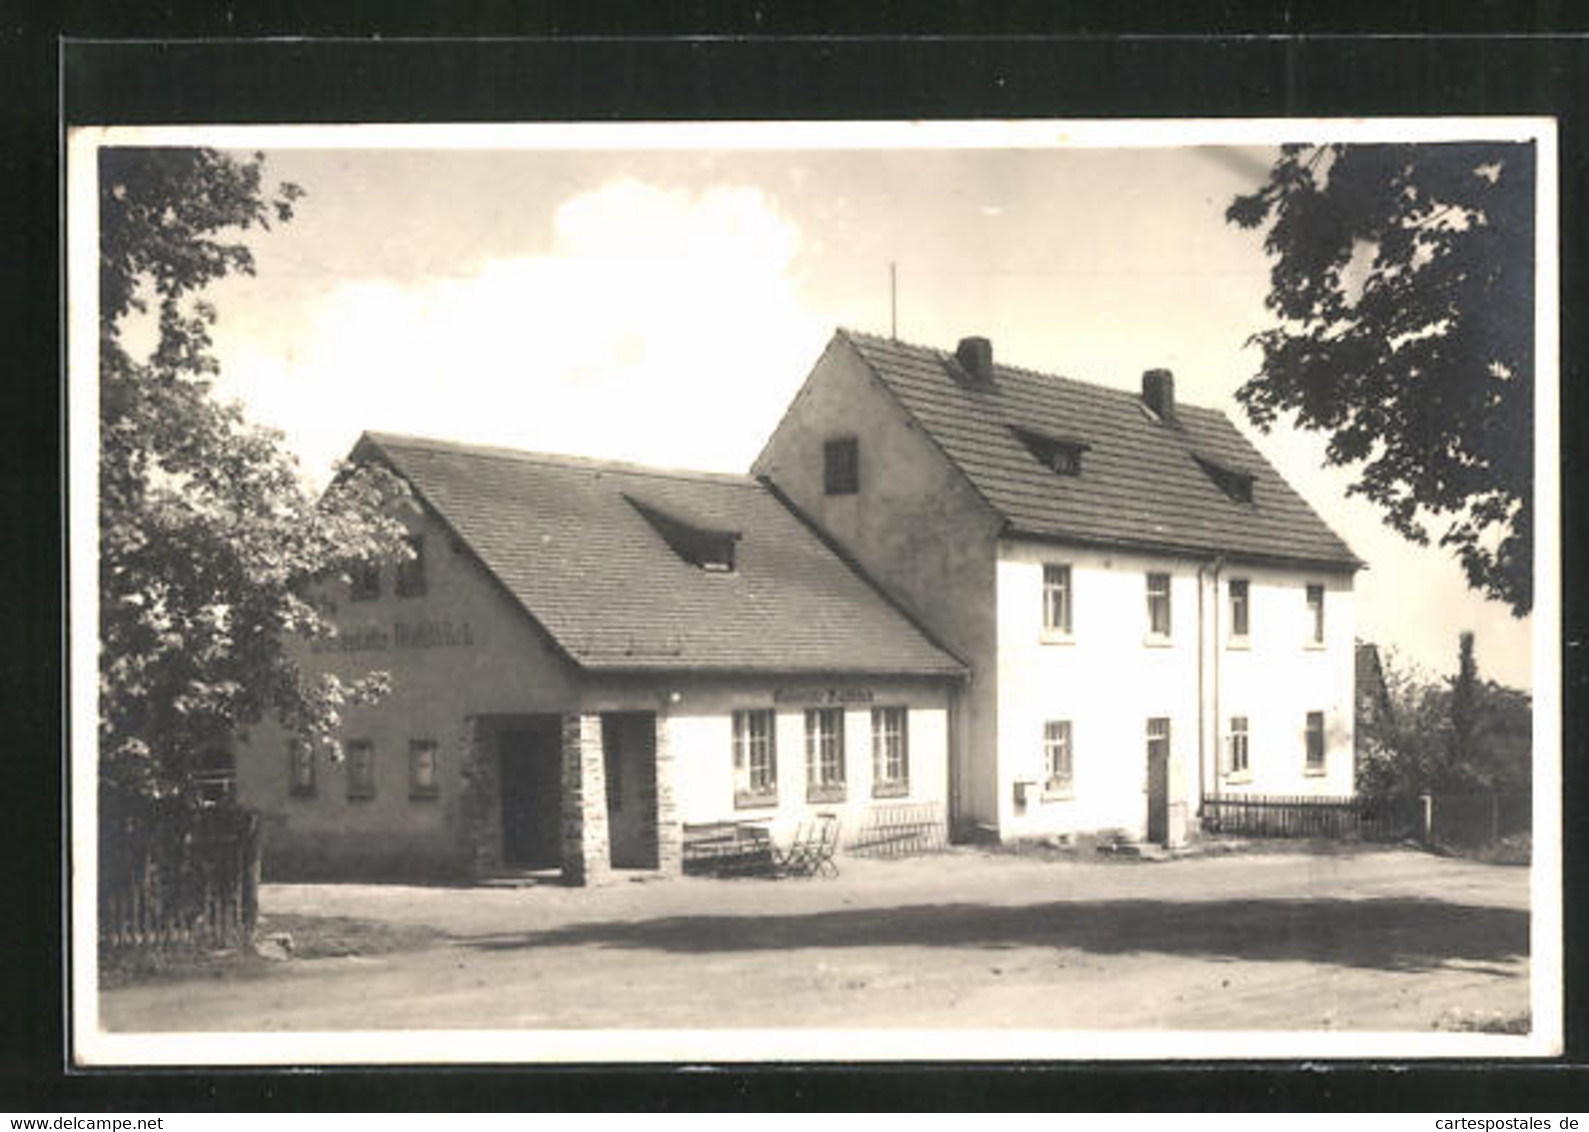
628, 741
1159, 780
531, 786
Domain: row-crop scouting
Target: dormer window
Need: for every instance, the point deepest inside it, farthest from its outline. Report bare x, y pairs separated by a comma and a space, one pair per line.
709, 548
1059, 454
1236, 484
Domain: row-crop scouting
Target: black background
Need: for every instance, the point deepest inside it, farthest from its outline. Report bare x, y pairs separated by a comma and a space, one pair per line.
158, 63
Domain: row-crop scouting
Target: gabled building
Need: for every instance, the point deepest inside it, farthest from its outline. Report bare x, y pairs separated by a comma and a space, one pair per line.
1151, 615
587, 656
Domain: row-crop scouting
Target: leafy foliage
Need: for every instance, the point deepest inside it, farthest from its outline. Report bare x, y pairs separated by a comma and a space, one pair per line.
1402, 285
208, 537
1454, 735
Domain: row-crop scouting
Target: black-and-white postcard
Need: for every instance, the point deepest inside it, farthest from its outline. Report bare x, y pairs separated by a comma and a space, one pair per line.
814, 591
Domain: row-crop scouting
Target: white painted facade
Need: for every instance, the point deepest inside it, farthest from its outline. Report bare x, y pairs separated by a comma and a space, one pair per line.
1110, 675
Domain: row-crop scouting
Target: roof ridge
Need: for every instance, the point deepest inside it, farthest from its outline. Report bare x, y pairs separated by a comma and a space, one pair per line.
1027, 371
560, 459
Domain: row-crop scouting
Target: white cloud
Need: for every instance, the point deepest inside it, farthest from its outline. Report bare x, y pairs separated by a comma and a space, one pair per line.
662, 327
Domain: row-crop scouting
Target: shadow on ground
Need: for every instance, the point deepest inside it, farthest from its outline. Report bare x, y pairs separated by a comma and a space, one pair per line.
1384, 933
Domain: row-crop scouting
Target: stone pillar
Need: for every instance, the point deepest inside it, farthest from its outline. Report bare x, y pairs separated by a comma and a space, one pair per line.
480, 808
669, 829
587, 857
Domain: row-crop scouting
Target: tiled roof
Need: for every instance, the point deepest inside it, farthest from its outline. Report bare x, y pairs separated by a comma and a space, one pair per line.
562, 535
1140, 484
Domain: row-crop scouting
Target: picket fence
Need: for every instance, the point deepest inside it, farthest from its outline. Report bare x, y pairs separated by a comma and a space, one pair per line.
172, 876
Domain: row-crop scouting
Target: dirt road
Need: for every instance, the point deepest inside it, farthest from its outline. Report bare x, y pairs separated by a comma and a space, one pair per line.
1385, 940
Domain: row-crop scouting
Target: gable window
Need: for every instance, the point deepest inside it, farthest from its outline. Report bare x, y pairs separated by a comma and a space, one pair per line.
841, 466
411, 572
755, 759
890, 758
422, 769
1056, 599
1240, 607
825, 755
1059, 454
1239, 763
360, 754
366, 582
1159, 605
1315, 614
1058, 757
1315, 751
1236, 484
300, 768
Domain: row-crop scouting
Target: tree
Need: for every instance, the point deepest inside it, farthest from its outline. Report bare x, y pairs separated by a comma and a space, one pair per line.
1465, 753
1402, 285
208, 538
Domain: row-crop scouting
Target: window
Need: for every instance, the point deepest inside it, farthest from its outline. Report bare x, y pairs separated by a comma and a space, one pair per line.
1315, 763
1159, 605
1061, 455
1159, 737
710, 548
1057, 756
366, 582
1239, 763
411, 572
890, 759
825, 755
300, 768
1056, 599
1316, 614
1236, 484
755, 759
1240, 597
841, 466
361, 769
422, 769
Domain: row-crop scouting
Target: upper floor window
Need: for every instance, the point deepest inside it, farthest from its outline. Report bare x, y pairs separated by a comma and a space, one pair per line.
1315, 750
711, 548
1056, 599
825, 755
890, 756
361, 769
755, 759
1236, 484
1159, 605
1240, 762
366, 582
1315, 614
841, 466
1240, 606
411, 571
1058, 757
422, 769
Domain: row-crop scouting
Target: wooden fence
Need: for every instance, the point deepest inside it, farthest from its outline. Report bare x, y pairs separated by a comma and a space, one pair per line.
1478, 819
1274, 815
899, 829
172, 875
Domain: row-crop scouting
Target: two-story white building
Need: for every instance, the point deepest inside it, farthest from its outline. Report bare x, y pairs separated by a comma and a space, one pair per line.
1150, 613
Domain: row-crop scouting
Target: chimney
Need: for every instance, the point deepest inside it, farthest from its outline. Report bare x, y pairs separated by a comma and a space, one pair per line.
1158, 393
975, 356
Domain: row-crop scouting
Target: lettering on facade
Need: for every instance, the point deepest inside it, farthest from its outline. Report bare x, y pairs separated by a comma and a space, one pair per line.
402, 635
818, 697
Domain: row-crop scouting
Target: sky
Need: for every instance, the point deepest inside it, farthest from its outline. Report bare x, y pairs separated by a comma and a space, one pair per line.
664, 305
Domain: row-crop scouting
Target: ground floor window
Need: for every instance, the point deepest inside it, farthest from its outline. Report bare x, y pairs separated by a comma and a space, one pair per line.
422, 769
1058, 757
890, 756
1315, 750
1239, 762
755, 759
361, 769
825, 755
300, 768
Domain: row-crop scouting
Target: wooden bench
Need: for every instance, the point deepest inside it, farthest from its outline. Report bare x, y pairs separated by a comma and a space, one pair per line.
727, 847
